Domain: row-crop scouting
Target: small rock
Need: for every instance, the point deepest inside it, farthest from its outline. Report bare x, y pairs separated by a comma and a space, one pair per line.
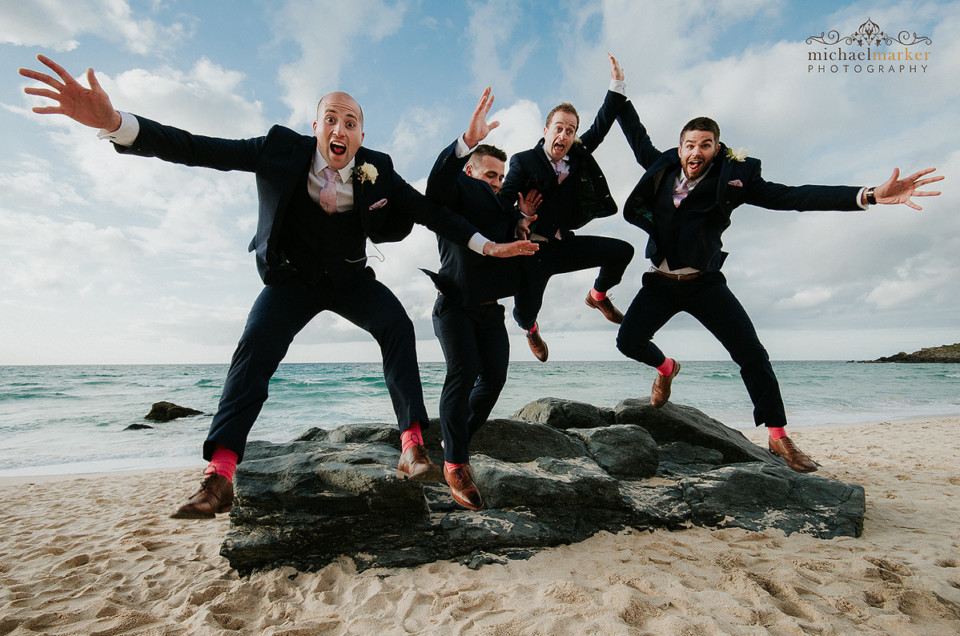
166, 411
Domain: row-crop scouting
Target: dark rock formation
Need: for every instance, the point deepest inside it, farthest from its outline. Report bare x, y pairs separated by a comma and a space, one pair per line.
946, 353
166, 411
570, 470
138, 427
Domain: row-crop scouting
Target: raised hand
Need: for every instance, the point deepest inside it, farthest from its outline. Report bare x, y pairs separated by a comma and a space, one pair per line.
616, 72
478, 129
897, 190
88, 106
529, 202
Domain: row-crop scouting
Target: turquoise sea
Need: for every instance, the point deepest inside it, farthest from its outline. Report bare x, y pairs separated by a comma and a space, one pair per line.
71, 419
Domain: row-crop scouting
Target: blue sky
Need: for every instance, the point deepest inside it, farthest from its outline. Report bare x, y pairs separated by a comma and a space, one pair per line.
111, 259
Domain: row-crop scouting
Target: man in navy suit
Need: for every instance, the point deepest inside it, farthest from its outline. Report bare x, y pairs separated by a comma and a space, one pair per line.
467, 318
684, 202
561, 168
320, 198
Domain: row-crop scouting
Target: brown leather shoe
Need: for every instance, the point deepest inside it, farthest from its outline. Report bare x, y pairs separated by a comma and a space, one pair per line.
462, 488
795, 458
415, 465
660, 392
215, 496
606, 308
538, 346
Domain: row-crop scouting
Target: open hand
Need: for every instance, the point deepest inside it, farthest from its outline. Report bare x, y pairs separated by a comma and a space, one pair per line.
897, 190
507, 250
479, 128
89, 106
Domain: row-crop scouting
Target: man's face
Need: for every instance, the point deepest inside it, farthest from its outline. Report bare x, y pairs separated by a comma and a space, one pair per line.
338, 129
559, 134
697, 150
487, 168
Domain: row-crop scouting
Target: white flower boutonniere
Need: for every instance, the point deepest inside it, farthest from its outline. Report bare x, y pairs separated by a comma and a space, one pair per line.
736, 154
367, 173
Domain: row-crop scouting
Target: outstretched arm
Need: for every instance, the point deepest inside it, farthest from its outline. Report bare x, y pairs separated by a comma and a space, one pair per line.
897, 190
88, 106
612, 103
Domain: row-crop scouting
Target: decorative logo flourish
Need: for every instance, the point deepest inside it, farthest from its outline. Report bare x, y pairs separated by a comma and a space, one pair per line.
869, 34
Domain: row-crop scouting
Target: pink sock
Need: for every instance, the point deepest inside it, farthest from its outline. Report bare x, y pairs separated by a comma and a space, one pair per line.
411, 437
534, 328
450, 466
776, 432
224, 462
667, 367
598, 296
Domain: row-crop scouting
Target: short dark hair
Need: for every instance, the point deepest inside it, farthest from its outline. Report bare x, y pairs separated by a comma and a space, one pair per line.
486, 150
565, 107
704, 124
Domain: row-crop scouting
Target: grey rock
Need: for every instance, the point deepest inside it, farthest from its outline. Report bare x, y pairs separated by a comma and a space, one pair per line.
564, 414
679, 423
334, 492
137, 427
762, 496
166, 411
623, 450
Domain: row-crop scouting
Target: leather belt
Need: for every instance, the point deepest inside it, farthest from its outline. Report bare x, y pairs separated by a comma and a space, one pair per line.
677, 276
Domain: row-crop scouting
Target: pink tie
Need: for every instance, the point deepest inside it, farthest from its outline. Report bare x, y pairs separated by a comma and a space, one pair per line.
328, 194
557, 167
681, 192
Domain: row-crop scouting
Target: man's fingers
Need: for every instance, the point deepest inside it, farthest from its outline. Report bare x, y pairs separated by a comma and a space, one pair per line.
56, 68
48, 110
92, 80
41, 77
493, 124
42, 92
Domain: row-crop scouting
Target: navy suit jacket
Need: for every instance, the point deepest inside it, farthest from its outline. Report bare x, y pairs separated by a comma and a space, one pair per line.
739, 182
388, 207
465, 277
531, 169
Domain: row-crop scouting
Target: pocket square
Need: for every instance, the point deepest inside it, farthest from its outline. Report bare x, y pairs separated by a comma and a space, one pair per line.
379, 204
735, 182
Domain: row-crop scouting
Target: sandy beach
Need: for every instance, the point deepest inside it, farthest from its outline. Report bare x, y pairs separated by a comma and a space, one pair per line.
96, 554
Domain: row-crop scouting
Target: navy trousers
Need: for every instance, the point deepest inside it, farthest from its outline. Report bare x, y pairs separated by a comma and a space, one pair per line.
710, 301
279, 313
571, 254
477, 350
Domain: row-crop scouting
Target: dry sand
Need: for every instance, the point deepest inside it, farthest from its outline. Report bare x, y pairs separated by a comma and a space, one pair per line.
97, 555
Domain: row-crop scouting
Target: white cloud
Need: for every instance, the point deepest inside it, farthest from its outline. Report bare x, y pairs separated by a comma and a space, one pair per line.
58, 23
329, 34
418, 135
495, 57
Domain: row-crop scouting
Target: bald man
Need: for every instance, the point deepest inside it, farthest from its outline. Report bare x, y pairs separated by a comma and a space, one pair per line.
321, 197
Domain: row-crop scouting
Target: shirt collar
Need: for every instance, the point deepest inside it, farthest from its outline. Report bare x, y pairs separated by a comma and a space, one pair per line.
319, 163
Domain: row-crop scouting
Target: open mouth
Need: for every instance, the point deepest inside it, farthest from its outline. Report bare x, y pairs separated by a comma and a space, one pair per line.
338, 148
694, 164
558, 149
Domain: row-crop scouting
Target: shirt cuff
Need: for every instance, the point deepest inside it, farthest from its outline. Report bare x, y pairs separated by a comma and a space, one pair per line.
462, 150
126, 134
618, 86
860, 199
476, 243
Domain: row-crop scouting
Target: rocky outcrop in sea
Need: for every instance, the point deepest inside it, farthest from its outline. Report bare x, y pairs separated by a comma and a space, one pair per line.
946, 353
556, 473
